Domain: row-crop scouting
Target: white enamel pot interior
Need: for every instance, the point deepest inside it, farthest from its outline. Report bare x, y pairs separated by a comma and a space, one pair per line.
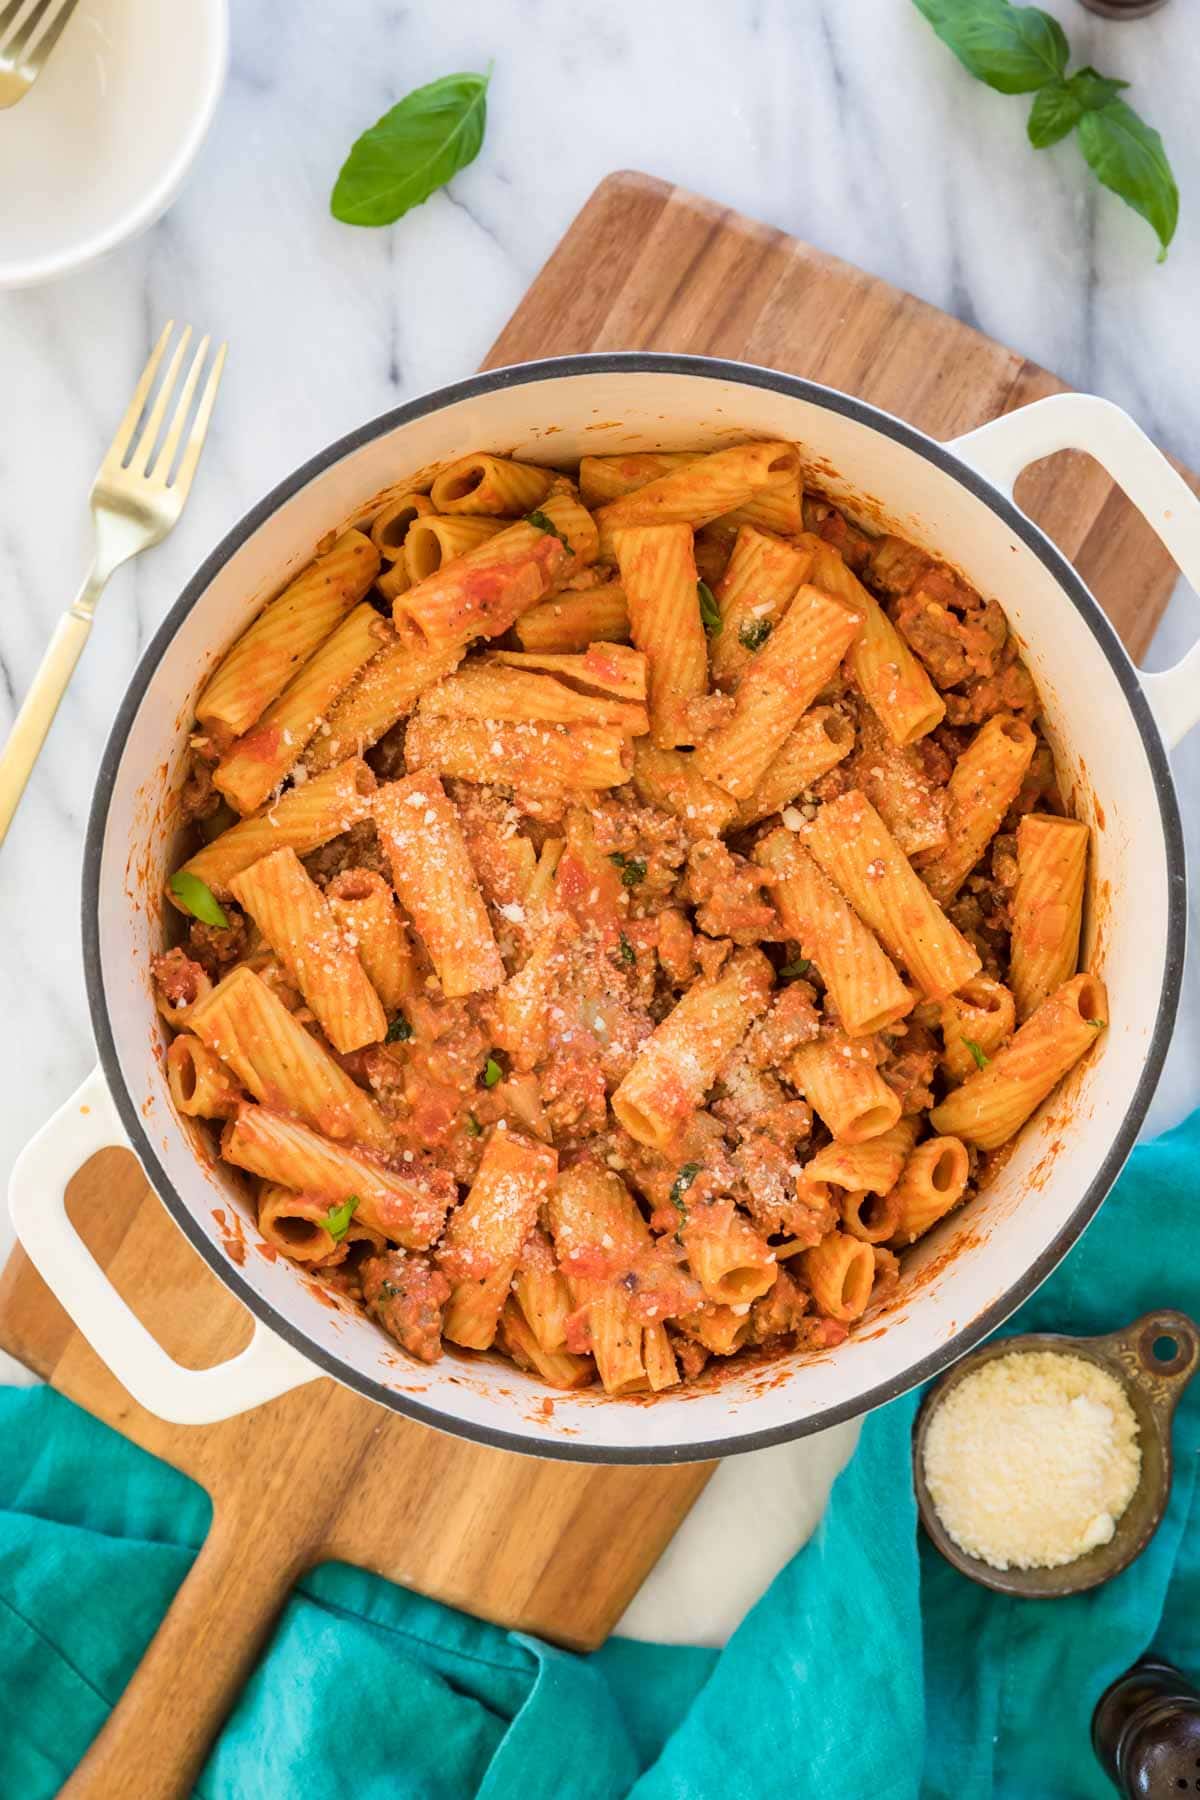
969, 1274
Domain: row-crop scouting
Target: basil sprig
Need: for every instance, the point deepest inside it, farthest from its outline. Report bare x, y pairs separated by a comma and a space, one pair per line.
412, 151
337, 1219
754, 634
198, 899
981, 1061
1021, 50
633, 868
542, 522
710, 612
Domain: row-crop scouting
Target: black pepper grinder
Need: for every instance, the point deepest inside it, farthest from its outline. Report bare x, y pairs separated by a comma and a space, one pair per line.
1124, 9
1146, 1732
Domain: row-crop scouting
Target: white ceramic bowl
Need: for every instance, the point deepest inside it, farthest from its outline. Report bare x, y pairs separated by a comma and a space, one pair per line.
99, 147
960, 1282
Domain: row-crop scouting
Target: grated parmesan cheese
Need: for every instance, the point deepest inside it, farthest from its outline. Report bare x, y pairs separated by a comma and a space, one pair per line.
1031, 1460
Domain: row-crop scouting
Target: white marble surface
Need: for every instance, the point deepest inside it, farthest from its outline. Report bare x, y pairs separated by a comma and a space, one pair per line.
843, 121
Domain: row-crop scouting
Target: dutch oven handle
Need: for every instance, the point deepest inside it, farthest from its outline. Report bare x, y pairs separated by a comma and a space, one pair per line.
1005, 446
88, 1122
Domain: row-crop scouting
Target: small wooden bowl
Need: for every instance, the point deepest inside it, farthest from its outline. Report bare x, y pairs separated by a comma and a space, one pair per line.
1152, 1384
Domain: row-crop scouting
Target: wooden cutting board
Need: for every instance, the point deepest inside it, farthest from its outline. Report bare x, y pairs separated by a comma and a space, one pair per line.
647, 266
558, 1549
551, 1548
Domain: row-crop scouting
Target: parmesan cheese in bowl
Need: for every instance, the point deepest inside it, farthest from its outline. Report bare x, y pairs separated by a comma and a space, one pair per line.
1032, 1459
1042, 1464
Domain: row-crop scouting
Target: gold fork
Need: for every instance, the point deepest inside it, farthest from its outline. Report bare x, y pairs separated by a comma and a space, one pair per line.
134, 503
22, 59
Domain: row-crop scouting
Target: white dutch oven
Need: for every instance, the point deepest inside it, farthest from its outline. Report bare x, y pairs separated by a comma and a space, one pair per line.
1108, 725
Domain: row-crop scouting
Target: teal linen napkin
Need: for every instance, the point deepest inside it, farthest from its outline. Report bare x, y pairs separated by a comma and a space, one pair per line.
869, 1668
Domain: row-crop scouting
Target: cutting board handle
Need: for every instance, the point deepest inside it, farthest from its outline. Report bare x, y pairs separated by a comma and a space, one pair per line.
37, 1192
1000, 450
155, 1741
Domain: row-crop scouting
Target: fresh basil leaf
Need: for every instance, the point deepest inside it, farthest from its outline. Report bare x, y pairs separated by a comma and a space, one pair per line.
626, 952
198, 898
412, 151
792, 971
1059, 108
710, 612
1055, 111
683, 1182
399, 1031
542, 523
1127, 155
1015, 49
754, 634
1094, 90
474, 1128
492, 1072
633, 868
337, 1219
981, 1061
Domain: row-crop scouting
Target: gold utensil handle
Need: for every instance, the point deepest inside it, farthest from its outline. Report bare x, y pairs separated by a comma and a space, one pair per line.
29, 730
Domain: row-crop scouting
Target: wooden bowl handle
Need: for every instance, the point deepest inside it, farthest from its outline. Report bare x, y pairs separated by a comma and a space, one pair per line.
157, 1737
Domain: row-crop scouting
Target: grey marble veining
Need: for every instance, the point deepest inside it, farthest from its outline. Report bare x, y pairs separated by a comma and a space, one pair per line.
844, 121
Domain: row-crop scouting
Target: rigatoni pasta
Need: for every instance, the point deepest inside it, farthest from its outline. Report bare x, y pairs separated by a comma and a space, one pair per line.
434, 880
653, 910
860, 856
302, 819
658, 574
484, 1236
365, 908
256, 764
994, 1103
384, 692
490, 484
931, 1184
485, 590
838, 1077
821, 739
762, 575
244, 1023
298, 923
431, 542
866, 988
539, 758
1047, 906
678, 1063
891, 679
975, 1022
201, 1086
389, 528
986, 780
402, 1208
576, 618
775, 688
285, 634
700, 490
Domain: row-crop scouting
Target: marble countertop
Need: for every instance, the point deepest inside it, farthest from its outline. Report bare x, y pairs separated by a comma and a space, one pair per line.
844, 121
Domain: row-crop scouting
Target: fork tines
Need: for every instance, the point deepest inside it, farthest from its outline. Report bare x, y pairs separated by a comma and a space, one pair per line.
150, 459
27, 42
